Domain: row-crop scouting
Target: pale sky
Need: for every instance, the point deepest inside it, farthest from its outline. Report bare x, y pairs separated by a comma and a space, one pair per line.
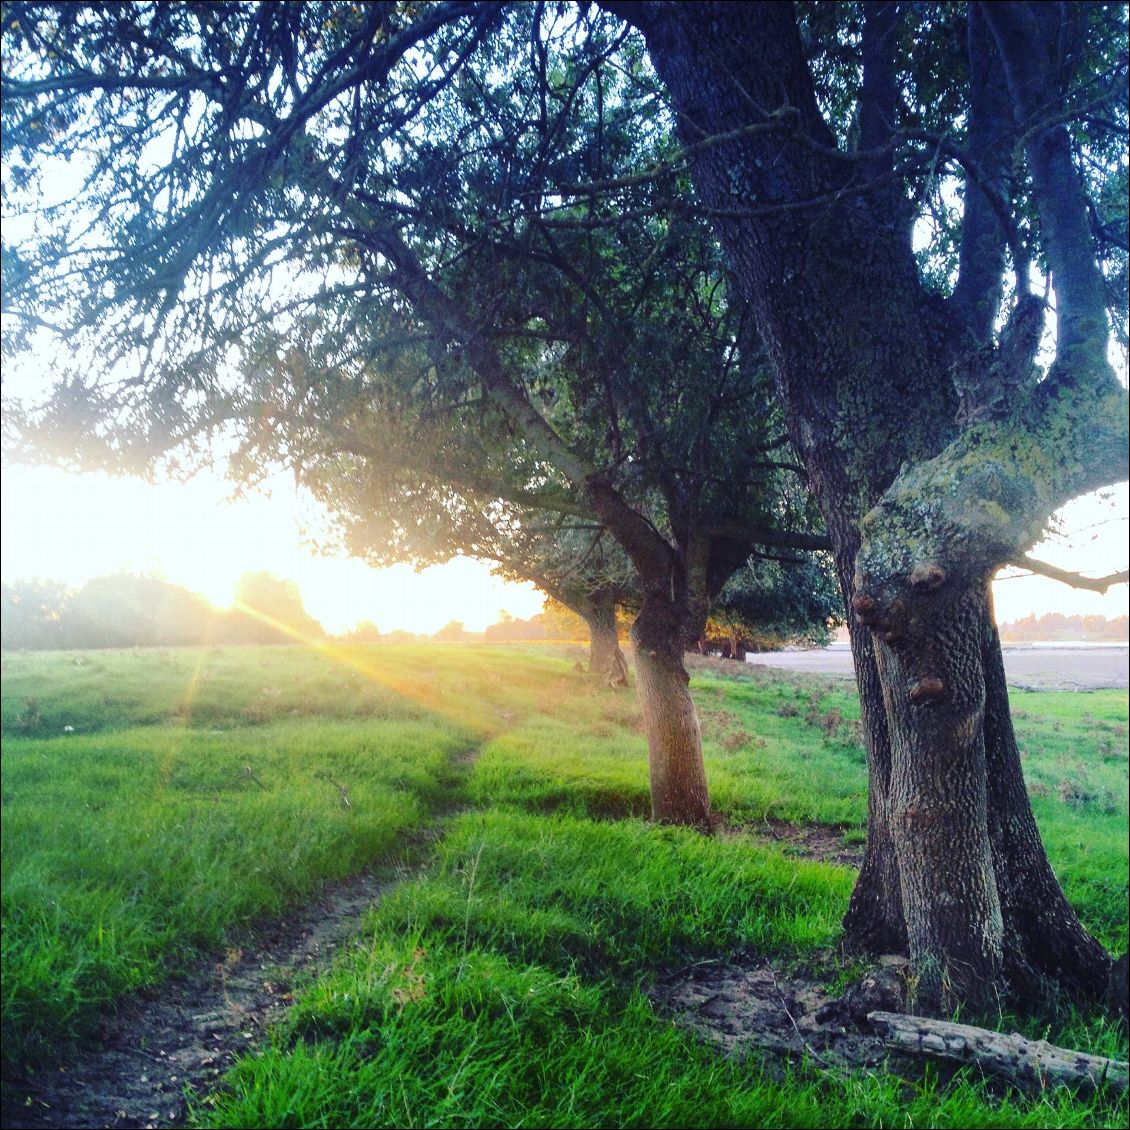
72, 527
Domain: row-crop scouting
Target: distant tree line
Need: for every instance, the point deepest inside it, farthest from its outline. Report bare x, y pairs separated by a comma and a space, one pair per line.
1056, 626
132, 611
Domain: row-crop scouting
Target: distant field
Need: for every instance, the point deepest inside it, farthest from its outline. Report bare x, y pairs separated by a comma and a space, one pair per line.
157, 802
1075, 667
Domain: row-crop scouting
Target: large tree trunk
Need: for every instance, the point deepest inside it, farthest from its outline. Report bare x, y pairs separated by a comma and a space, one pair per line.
938, 808
983, 910
679, 794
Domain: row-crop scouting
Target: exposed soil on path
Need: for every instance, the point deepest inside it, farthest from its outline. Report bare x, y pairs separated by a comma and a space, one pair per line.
185, 1033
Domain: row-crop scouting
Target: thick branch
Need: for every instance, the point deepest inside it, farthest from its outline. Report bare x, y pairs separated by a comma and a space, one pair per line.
879, 96
453, 326
985, 499
763, 535
1059, 196
648, 550
977, 295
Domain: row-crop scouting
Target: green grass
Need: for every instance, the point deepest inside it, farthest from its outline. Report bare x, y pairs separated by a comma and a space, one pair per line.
503, 989
424, 1033
129, 848
200, 789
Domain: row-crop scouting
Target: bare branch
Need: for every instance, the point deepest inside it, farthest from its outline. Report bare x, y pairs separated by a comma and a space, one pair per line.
1075, 580
778, 119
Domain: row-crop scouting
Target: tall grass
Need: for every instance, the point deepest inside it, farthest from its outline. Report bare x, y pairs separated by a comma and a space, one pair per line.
505, 989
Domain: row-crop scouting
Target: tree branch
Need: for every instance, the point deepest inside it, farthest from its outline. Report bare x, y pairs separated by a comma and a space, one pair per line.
776, 120
778, 539
977, 296
1075, 580
1060, 200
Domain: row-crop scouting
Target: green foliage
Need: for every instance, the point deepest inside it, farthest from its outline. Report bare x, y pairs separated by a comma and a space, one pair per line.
769, 603
32, 613
450, 364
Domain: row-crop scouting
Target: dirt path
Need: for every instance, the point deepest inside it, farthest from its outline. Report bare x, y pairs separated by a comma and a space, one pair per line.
183, 1035
186, 1032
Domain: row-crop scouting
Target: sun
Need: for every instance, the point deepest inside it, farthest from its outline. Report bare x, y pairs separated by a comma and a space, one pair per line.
71, 527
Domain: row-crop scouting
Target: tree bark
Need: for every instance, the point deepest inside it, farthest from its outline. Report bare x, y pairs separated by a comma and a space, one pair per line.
874, 922
938, 815
921, 507
1043, 937
679, 793
606, 660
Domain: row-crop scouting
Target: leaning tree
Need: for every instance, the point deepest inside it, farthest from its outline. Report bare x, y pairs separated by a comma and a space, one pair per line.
891, 182
323, 226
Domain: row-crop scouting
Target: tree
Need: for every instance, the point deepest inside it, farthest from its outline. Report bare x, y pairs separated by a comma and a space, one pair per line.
33, 614
821, 138
400, 313
267, 610
261, 163
770, 603
571, 559
451, 632
364, 632
129, 611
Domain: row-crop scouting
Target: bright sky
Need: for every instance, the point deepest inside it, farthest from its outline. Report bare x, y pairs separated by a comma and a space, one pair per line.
72, 527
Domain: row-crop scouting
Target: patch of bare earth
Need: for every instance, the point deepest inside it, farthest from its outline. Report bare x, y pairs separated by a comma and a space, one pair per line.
753, 1008
746, 1008
822, 842
181, 1036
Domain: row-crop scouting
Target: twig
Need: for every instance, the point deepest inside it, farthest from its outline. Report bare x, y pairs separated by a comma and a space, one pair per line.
771, 830
687, 968
324, 775
709, 1000
251, 774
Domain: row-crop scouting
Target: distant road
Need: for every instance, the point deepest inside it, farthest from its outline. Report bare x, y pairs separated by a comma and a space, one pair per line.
1068, 667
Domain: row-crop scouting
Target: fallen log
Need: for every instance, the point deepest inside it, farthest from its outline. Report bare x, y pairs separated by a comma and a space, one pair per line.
1030, 1063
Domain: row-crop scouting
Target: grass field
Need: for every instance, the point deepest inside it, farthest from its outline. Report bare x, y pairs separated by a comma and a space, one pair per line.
156, 803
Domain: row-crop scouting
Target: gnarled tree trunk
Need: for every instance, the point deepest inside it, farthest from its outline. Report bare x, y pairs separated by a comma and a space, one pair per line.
926, 490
